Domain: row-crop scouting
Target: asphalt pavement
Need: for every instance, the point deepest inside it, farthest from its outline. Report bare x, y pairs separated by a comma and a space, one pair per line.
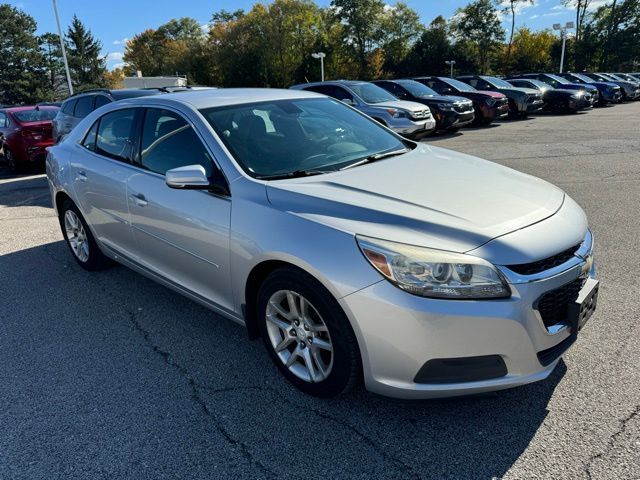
109, 375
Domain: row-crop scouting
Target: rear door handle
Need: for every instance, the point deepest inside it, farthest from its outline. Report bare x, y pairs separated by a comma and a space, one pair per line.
82, 176
140, 199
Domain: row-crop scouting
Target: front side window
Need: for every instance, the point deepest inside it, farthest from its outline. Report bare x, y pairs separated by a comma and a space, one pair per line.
84, 106
3, 120
168, 141
115, 133
275, 138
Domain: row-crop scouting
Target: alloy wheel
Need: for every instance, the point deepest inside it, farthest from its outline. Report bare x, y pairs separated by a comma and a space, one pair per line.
76, 236
299, 336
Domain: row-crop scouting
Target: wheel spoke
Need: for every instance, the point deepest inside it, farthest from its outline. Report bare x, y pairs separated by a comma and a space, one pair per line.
292, 357
281, 324
293, 306
315, 328
323, 344
281, 311
309, 362
288, 339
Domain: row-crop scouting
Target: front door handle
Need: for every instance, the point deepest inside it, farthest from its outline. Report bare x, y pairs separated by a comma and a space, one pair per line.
81, 176
140, 199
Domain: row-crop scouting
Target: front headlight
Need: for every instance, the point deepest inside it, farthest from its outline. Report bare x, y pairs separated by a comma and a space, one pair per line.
396, 113
445, 107
434, 273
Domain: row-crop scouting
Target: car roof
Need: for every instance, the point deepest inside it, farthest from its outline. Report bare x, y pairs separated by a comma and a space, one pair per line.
332, 82
227, 96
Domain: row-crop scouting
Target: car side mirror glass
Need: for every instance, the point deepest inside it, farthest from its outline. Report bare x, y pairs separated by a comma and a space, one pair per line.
348, 101
192, 177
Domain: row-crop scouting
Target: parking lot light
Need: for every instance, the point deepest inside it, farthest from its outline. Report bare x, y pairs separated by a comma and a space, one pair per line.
563, 34
64, 51
450, 63
321, 56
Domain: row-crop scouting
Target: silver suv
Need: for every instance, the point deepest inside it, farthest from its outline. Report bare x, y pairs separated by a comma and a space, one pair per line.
76, 107
410, 119
354, 253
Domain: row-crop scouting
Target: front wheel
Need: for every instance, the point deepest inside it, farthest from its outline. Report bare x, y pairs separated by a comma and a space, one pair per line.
80, 240
306, 334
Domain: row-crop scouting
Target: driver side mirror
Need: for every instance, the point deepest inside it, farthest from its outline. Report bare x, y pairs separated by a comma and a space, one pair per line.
348, 101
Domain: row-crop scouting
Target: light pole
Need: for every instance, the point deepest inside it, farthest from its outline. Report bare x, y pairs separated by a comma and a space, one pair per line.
64, 51
450, 63
563, 34
321, 56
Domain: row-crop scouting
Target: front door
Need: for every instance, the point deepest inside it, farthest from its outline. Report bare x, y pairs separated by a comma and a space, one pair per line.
183, 235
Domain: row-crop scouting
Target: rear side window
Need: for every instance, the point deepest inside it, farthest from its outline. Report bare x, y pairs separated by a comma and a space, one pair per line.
69, 106
115, 133
100, 101
84, 106
168, 141
89, 141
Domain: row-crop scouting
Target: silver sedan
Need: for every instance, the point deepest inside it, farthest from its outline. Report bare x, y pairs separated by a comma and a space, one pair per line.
355, 254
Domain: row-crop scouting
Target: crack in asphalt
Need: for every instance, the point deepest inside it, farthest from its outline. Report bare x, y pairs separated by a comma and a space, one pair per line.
197, 397
611, 442
371, 443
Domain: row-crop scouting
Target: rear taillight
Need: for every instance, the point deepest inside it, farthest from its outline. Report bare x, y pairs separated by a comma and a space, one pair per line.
32, 135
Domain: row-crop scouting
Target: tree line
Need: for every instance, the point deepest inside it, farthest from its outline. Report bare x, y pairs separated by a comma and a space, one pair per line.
271, 45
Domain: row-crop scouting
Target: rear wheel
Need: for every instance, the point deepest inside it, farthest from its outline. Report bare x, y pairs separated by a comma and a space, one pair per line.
80, 240
12, 163
306, 334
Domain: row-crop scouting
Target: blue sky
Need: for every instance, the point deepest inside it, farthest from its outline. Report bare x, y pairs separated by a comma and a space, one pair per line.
114, 21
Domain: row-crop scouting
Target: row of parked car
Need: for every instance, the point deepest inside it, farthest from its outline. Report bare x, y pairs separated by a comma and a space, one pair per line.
413, 107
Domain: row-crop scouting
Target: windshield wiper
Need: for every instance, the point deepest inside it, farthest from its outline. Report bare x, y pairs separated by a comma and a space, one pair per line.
375, 157
294, 174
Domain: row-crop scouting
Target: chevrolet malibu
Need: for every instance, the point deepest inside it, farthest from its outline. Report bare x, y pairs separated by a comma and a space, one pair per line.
355, 254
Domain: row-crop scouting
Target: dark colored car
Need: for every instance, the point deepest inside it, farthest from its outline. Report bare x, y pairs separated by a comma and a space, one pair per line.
487, 105
556, 99
522, 101
562, 83
608, 92
25, 133
78, 106
451, 112
629, 90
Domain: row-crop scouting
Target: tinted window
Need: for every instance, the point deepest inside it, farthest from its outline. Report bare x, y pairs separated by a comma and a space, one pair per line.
393, 88
100, 101
285, 136
416, 89
68, 106
3, 120
168, 141
26, 116
115, 133
84, 106
89, 141
323, 89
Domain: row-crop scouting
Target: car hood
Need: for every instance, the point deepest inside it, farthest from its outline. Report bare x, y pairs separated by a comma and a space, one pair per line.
491, 93
443, 98
403, 104
430, 197
521, 90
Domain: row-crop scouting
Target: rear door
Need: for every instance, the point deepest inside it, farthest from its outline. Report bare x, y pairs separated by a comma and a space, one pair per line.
100, 170
182, 235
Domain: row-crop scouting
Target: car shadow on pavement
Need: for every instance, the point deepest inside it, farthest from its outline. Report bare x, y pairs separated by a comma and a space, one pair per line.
24, 191
125, 342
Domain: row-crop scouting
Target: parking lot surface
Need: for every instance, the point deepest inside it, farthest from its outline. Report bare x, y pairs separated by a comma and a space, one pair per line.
109, 375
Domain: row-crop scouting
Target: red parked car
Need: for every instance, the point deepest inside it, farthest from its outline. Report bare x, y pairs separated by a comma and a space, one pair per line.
25, 133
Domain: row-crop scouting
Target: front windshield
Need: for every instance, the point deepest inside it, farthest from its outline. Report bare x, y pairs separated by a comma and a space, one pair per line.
40, 115
461, 86
498, 82
417, 89
282, 137
371, 93
558, 79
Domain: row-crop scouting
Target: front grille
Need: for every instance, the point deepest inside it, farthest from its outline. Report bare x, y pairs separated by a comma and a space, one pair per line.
463, 107
502, 101
544, 264
553, 305
420, 114
533, 98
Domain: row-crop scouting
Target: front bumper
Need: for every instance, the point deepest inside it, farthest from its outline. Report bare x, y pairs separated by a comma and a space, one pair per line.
452, 119
415, 128
400, 333
533, 106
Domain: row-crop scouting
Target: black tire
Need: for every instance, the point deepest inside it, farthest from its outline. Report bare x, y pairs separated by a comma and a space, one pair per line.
347, 365
96, 259
11, 161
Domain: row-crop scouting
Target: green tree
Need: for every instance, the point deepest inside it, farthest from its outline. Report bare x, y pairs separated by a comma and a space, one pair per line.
401, 28
512, 7
22, 64
52, 53
531, 51
432, 49
83, 51
362, 20
479, 24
